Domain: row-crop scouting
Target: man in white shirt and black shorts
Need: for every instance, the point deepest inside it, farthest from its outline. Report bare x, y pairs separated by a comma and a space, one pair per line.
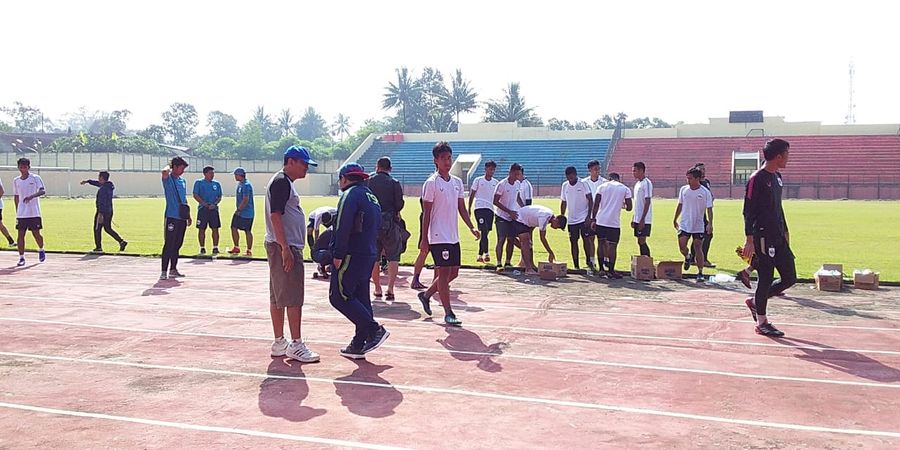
507, 201
643, 208
606, 215
482, 192
531, 217
576, 200
3, 229
443, 195
695, 204
593, 181
27, 189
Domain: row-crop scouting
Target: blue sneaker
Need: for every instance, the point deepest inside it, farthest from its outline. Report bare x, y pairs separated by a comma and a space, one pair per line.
21, 262
451, 320
376, 340
42, 256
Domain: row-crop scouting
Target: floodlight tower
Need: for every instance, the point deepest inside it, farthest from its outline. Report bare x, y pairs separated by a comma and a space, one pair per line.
850, 118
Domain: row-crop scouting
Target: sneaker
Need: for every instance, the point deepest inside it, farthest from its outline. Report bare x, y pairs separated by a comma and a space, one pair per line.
487, 258
767, 329
354, 350
744, 278
248, 254
425, 302
215, 251
450, 319
297, 350
589, 272
613, 275
700, 278
97, 250
279, 347
202, 251
175, 274
163, 276
42, 256
122, 245
234, 251
12, 243
21, 262
479, 259
687, 263
751, 305
376, 340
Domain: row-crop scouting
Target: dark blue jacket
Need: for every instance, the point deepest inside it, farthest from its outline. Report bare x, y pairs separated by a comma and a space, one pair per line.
357, 223
104, 195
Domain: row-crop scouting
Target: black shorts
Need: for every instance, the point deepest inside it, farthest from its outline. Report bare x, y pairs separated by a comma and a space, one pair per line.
520, 228
485, 220
580, 230
445, 255
528, 202
208, 218
771, 250
29, 223
645, 233
388, 241
504, 228
609, 234
696, 236
241, 223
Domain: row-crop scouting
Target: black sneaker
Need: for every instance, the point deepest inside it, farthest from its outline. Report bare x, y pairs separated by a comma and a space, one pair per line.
376, 340
97, 250
700, 278
175, 274
425, 302
122, 245
687, 263
354, 350
744, 278
202, 251
215, 251
613, 275
767, 329
752, 306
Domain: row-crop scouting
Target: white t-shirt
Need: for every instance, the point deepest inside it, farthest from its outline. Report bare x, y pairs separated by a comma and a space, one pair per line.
316, 215
693, 208
508, 197
444, 198
593, 184
576, 201
642, 191
612, 196
535, 216
1, 198
24, 188
525, 189
484, 192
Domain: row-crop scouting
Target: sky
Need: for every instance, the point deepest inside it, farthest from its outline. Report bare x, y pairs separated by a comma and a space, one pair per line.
680, 61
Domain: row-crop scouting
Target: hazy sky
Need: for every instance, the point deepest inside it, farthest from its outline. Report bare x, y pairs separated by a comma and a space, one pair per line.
575, 60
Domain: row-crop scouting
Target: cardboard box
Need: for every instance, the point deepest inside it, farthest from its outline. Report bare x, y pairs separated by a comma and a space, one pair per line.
865, 279
551, 271
669, 270
642, 268
830, 277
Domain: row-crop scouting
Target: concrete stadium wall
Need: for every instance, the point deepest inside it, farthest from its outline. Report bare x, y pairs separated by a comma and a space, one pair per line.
773, 126
148, 184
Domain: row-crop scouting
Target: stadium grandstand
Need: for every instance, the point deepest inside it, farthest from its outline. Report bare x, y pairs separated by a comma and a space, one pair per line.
827, 161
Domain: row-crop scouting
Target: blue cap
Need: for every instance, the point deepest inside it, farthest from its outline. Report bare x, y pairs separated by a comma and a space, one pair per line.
300, 153
240, 171
353, 169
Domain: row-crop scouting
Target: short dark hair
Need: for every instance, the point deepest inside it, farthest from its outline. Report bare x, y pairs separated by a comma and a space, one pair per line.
490, 163
523, 169
699, 164
23, 162
384, 163
694, 172
178, 162
440, 148
774, 148
515, 166
208, 169
103, 175
640, 165
326, 219
571, 169
613, 176
561, 219
593, 163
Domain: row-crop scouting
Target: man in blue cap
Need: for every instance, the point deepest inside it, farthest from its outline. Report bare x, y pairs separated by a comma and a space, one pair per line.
354, 250
243, 213
284, 246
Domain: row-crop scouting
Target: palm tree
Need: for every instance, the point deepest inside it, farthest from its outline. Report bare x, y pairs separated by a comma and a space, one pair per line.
286, 122
511, 108
461, 97
341, 126
402, 94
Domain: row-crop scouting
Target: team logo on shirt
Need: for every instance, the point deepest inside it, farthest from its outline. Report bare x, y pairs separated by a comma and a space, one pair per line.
446, 255
780, 183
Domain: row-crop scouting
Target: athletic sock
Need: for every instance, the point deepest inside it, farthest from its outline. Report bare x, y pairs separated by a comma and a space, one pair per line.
761, 319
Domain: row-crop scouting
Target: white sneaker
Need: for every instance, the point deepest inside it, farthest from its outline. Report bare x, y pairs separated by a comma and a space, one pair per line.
163, 276
279, 347
297, 350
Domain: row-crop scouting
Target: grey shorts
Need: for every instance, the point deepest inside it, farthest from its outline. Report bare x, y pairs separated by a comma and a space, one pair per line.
285, 288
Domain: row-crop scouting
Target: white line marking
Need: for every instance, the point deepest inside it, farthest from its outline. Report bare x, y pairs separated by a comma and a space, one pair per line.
194, 427
477, 394
484, 354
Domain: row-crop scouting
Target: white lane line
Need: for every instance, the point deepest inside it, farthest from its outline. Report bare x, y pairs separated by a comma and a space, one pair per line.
195, 427
551, 359
477, 394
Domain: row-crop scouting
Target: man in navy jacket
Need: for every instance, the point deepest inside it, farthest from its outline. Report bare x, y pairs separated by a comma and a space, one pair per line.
104, 214
354, 250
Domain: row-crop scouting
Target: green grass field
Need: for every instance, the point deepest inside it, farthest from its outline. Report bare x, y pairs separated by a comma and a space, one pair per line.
858, 234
